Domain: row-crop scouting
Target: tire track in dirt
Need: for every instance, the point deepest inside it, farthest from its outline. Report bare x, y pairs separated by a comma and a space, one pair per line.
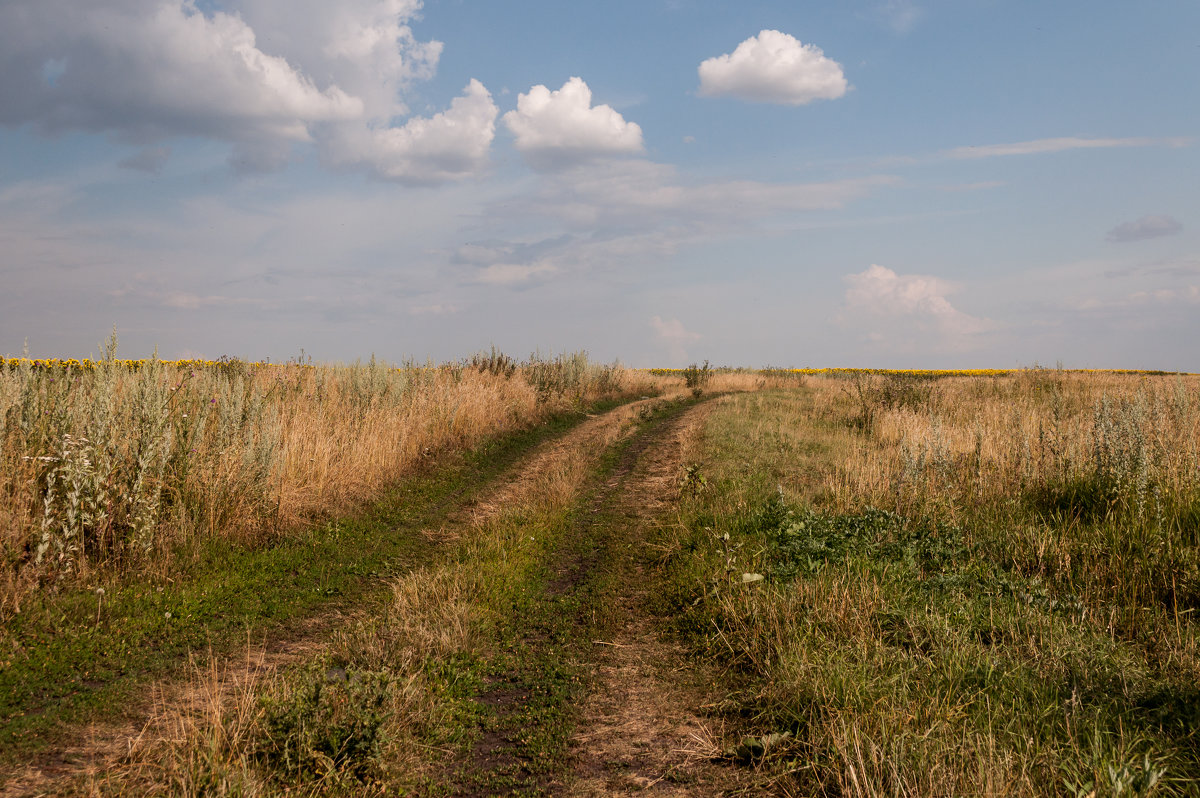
553, 466
640, 731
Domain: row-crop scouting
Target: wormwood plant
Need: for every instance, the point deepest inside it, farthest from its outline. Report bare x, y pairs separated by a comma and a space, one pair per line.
568, 375
494, 362
696, 377
112, 463
101, 494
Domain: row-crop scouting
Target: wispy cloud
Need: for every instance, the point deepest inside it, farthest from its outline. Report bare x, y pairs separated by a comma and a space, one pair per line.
1040, 146
515, 274
900, 16
674, 336
1143, 228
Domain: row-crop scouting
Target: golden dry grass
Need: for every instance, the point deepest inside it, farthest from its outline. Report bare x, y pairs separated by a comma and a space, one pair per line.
109, 467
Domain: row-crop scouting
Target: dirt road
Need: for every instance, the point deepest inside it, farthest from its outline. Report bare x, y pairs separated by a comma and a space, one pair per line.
588, 698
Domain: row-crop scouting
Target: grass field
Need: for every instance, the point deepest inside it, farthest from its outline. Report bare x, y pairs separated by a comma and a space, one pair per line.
500, 578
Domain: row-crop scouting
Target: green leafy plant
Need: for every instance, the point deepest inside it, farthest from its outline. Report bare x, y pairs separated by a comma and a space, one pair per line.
696, 377
326, 722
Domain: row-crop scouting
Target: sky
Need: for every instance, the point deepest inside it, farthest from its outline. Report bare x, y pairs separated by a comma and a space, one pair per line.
887, 183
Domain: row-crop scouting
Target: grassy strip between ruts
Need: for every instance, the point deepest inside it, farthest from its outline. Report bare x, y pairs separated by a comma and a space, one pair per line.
81, 656
869, 653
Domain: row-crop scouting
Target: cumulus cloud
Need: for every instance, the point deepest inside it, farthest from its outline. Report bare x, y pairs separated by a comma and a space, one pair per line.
153, 68
1143, 228
259, 74
559, 128
773, 67
365, 47
915, 300
674, 336
446, 146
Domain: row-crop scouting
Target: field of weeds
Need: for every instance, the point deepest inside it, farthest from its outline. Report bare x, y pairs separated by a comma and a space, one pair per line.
916, 584
495, 577
107, 466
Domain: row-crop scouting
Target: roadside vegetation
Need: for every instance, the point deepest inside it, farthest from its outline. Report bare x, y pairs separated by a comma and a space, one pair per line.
152, 509
921, 585
464, 681
106, 466
858, 583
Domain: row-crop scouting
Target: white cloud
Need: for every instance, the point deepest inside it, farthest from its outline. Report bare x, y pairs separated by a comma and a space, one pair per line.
366, 47
153, 68
1039, 146
773, 67
559, 128
674, 336
1143, 228
259, 74
449, 145
912, 300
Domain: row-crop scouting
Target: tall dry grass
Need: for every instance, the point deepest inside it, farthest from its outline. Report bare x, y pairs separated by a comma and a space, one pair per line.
108, 467
1093, 478
980, 439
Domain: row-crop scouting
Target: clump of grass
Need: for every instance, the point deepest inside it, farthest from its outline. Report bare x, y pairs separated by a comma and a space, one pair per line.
493, 362
326, 722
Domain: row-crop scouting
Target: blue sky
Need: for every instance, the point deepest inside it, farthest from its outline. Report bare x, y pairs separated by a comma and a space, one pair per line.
900, 183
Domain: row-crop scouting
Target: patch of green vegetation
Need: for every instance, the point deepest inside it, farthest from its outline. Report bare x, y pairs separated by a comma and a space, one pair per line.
81, 655
885, 654
326, 723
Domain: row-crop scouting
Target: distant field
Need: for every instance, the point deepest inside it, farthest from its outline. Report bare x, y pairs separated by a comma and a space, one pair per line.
566, 578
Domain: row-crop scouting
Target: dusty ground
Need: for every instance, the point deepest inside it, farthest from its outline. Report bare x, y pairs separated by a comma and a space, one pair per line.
640, 732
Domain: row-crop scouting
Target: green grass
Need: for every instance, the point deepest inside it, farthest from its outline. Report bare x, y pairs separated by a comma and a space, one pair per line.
903, 655
78, 656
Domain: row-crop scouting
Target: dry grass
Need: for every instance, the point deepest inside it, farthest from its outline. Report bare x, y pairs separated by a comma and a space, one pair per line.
110, 467
217, 734
345, 719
